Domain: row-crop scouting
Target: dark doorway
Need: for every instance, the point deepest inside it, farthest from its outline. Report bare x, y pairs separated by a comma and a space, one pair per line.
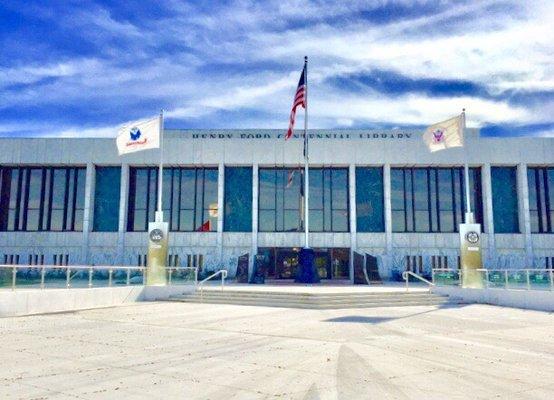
282, 262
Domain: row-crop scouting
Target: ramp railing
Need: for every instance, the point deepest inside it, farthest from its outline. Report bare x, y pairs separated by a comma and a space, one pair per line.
406, 276
200, 284
522, 279
85, 276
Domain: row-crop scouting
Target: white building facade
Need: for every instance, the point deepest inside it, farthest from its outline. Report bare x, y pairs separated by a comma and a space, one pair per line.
234, 192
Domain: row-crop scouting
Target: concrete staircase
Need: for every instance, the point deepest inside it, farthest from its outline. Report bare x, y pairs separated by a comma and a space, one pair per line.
320, 301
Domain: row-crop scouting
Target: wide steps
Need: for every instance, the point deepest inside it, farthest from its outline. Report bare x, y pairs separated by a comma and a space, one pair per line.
313, 300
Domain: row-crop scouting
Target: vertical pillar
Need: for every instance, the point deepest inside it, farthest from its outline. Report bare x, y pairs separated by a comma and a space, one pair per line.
388, 214
488, 219
220, 209
254, 249
88, 211
353, 226
524, 215
122, 227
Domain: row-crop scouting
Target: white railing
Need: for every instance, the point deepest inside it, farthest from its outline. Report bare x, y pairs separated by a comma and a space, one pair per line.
406, 276
523, 279
200, 284
80, 276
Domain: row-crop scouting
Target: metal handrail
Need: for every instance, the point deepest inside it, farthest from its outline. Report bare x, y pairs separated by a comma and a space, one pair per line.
221, 272
406, 275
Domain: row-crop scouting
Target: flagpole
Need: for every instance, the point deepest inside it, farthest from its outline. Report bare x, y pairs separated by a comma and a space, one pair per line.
306, 160
159, 213
469, 214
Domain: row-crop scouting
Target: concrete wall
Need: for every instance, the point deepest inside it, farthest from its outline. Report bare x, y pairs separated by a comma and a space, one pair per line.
529, 299
266, 148
36, 301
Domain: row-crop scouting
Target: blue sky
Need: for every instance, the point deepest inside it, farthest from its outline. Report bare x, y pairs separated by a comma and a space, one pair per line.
76, 68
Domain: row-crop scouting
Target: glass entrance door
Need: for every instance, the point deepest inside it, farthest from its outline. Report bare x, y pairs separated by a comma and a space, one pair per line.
282, 262
322, 263
286, 263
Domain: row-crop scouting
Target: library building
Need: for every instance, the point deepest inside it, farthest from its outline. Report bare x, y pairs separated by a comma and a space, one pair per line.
227, 194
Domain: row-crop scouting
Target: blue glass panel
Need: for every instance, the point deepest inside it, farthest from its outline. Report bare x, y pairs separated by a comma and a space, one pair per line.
106, 199
370, 200
421, 200
504, 200
238, 199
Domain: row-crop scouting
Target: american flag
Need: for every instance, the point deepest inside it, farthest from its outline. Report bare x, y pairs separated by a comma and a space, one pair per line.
299, 100
290, 179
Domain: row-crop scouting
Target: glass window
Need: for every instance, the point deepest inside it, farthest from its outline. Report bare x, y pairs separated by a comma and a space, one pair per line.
421, 200
210, 201
432, 199
189, 200
106, 199
369, 200
41, 198
238, 199
34, 192
504, 199
329, 200
5, 186
280, 200
540, 181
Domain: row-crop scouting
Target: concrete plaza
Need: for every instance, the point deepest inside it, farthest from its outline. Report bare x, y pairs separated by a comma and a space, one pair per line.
169, 350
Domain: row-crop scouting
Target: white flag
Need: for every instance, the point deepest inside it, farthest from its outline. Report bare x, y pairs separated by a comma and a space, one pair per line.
446, 134
139, 135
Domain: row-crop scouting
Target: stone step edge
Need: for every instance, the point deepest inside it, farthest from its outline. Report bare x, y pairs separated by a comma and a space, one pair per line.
223, 301
314, 300
323, 306
308, 294
311, 298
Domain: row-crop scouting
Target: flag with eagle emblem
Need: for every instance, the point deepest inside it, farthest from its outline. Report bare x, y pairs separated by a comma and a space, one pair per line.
445, 134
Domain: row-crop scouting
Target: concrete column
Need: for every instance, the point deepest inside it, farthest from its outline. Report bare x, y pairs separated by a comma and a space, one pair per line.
254, 248
123, 195
488, 217
353, 227
524, 215
88, 211
388, 209
220, 209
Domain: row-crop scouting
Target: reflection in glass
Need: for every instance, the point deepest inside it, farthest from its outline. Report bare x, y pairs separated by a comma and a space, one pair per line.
106, 199
238, 199
280, 200
504, 199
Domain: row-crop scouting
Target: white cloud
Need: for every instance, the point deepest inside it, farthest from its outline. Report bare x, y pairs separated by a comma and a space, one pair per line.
500, 51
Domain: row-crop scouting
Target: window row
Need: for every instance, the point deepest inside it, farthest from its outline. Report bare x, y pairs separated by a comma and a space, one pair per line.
42, 199
433, 199
281, 200
189, 200
430, 199
541, 199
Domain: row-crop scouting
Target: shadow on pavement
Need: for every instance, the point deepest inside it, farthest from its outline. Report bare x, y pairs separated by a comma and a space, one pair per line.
361, 319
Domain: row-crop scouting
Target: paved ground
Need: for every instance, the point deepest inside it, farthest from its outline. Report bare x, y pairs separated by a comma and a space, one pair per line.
191, 351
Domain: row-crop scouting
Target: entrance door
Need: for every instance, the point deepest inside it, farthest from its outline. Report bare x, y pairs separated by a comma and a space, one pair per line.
340, 263
286, 263
282, 262
322, 261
